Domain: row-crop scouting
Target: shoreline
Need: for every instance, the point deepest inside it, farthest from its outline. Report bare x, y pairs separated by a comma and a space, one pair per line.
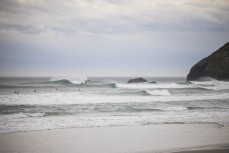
218, 125
163, 138
218, 150
204, 149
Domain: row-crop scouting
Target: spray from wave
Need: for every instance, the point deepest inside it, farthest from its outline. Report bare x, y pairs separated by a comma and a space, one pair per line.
211, 85
72, 80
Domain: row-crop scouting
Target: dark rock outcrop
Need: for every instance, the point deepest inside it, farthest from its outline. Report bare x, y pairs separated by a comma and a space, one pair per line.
137, 80
215, 66
153, 82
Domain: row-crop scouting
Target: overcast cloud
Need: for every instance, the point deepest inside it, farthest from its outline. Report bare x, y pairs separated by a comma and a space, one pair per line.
109, 37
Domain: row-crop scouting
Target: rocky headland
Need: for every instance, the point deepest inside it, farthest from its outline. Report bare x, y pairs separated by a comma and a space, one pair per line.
215, 66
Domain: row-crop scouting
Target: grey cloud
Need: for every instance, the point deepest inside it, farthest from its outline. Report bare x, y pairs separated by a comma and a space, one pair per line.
70, 17
113, 35
66, 31
8, 5
118, 2
26, 29
101, 16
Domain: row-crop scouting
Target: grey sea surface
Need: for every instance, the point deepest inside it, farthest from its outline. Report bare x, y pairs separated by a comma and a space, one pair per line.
41, 103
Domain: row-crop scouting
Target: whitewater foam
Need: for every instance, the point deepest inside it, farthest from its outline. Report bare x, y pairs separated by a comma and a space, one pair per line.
212, 85
153, 86
78, 98
13, 116
35, 114
163, 92
104, 119
109, 102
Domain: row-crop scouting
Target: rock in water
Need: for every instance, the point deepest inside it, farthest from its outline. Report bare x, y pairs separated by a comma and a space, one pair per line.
216, 66
153, 82
137, 80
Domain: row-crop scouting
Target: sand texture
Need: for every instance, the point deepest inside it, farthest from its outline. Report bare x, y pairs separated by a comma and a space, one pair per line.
122, 139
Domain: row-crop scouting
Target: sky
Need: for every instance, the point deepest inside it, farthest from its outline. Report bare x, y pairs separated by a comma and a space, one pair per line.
109, 37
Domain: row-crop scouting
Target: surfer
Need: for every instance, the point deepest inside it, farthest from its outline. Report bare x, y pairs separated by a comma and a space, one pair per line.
35, 90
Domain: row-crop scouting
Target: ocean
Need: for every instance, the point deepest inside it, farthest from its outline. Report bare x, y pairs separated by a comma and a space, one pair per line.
44, 103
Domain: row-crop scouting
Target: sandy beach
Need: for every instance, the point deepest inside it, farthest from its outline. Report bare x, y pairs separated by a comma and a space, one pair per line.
120, 139
114, 76
221, 150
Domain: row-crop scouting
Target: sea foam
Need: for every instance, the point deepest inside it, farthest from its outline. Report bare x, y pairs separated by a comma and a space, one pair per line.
212, 85
80, 98
163, 92
153, 86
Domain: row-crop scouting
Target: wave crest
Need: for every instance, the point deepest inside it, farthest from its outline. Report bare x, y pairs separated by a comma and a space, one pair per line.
146, 93
152, 86
211, 85
163, 92
59, 82
72, 80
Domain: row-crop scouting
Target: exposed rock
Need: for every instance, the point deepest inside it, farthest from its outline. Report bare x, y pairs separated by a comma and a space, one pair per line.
215, 66
153, 82
205, 79
137, 80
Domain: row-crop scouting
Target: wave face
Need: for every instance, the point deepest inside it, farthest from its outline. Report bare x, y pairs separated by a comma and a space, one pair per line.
44, 82
145, 93
73, 102
99, 84
72, 80
82, 82
159, 92
58, 82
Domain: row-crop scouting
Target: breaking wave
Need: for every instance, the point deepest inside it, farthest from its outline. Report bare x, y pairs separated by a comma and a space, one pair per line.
153, 86
163, 92
58, 82
99, 84
211, 85
61, 81
83, 82
68, 80
20, 115
208, 85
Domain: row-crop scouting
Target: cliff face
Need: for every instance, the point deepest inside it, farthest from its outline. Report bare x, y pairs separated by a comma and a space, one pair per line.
216, 66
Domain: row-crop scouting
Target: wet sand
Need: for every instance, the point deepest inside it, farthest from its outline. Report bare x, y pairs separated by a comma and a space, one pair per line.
121, 139
226, 150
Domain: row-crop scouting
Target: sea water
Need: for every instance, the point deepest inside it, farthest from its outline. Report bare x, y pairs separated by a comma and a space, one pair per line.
31, 103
